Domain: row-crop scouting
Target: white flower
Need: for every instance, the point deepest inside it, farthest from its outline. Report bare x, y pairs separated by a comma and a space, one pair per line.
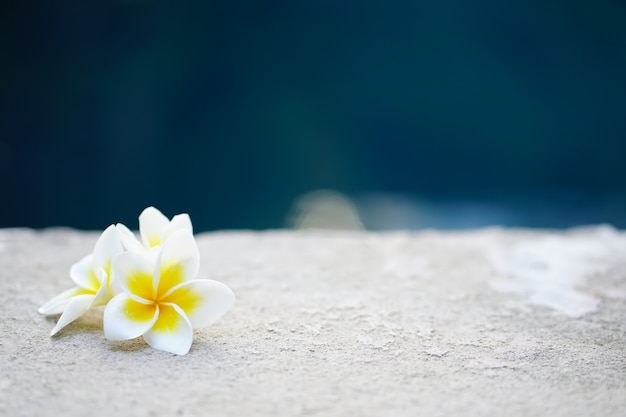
93, 276
154, 229
161, 299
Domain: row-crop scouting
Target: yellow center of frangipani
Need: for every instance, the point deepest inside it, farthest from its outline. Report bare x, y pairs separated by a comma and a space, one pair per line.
154, 241
93, 284
141, 284
107, 269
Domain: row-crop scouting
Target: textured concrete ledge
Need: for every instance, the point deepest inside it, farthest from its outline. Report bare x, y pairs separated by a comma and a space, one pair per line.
489, 322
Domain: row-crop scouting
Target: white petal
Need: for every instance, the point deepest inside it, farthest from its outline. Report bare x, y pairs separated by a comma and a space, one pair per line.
125, 318
74, 309
152, 224
172, 331
203, 301
58, 303
104, 294
135, 273
83, 274
179, 260
107, 246
179, 222
128, 239
115, 287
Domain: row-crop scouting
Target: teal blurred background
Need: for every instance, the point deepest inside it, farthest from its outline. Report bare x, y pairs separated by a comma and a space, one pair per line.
513, 112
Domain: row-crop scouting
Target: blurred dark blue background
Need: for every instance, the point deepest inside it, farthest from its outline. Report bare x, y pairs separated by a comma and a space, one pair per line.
230, 110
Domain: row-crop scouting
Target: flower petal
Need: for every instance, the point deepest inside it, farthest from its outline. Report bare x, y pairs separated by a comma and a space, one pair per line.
172, 331
57, 304
152, 223
104, 293
135, 272
74, 309
107, 246
115, 287
125, 318
204, 301
179, 222
128, 239
179, 260
83, 274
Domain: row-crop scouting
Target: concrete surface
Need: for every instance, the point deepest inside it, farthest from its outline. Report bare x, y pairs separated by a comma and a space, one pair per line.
480, 323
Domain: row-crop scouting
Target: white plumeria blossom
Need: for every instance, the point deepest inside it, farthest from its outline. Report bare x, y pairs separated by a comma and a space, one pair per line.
154, 229
93, 276
161, 298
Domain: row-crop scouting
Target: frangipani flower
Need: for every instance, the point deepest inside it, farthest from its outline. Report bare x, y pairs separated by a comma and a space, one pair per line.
154, 229
161, 299
93, 276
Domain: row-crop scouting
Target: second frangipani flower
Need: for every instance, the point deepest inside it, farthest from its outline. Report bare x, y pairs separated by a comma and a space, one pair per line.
154, 229
162, 300
95, 284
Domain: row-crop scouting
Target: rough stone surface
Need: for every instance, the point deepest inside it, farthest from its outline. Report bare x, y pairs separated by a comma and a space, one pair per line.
333, 324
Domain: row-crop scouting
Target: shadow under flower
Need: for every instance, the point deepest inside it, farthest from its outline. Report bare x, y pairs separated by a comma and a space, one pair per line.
133, 345
90, 322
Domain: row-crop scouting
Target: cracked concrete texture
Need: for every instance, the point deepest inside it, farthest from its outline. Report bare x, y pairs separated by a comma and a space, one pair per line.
334, 324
